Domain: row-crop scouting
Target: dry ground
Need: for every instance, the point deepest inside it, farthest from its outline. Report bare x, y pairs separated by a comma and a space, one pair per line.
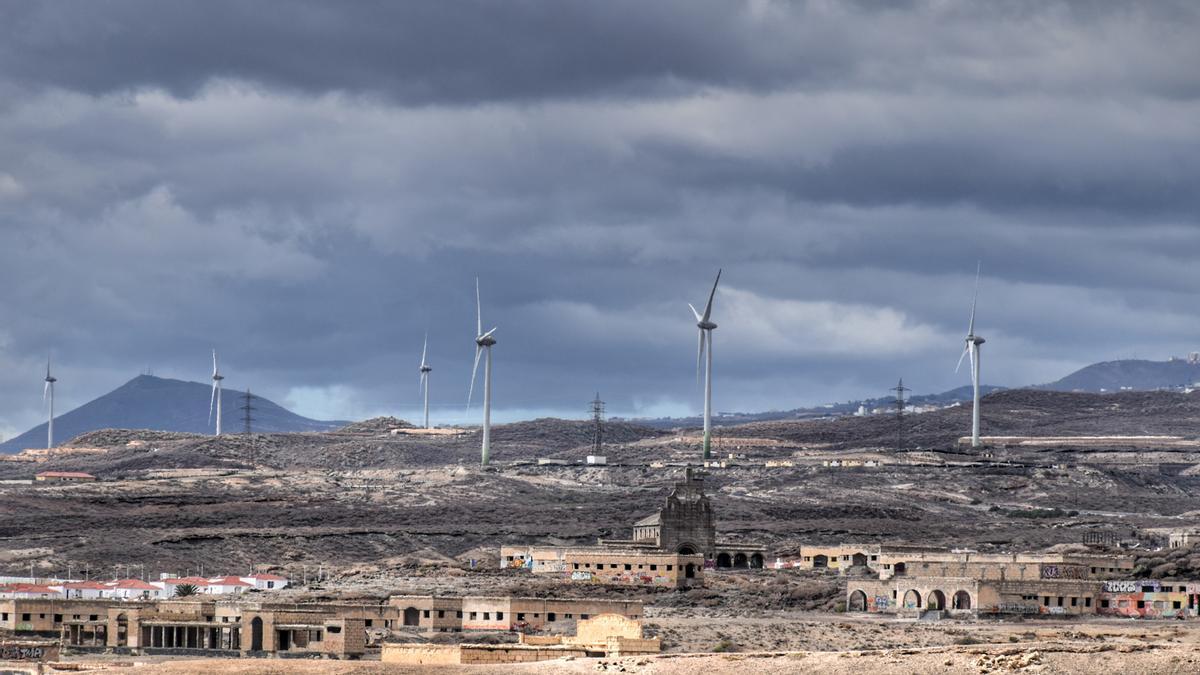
828, 644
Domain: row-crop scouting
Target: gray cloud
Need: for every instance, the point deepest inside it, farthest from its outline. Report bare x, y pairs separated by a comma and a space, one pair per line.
311, 187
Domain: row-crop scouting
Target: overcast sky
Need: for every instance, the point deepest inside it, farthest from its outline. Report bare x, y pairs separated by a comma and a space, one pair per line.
310, 187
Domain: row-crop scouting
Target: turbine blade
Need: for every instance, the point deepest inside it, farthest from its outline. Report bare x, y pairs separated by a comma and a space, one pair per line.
695, 313
489, 333
46, 391
421, 384
974, 365
974, 299
215, 369
699, 353
478, 310
474, 372
966, 349
212, 402
423, 348
708, 307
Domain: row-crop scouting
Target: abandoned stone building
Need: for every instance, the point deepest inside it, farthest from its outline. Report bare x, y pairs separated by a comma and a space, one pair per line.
896, 560
958, 583
212, 627
442, 614
685, 524
669, 548
609, 635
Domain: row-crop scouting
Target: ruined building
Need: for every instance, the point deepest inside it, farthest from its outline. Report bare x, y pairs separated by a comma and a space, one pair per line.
669, 547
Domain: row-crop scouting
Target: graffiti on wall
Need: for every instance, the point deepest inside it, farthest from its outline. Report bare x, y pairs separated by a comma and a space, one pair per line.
882, 602
21, 653
1063, 572
553, 566
580, 575
1122, 586
1018, 608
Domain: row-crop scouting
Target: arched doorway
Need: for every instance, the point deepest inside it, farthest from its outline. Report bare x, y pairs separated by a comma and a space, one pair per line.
858, 560
935, 600
858, 602
912, 600
756, 561
740, 562
723, 560
412, 617
961, 600
689, 572
256, 634
687, 549
122, 630
820, 561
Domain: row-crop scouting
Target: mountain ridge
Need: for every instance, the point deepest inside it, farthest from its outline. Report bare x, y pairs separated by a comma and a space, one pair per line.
162, 404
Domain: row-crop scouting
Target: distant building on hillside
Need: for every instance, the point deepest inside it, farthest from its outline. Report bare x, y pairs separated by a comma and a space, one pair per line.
64, 476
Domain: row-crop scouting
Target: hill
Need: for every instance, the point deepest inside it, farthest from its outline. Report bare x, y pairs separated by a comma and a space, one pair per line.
148, 402
1129, 374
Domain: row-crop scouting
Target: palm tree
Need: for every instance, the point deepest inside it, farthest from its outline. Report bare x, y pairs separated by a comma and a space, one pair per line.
184, 590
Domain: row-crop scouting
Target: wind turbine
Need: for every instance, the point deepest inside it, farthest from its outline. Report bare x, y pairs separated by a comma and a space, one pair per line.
425, 369
48, 397
972, 349
483, 342
215, 400
706, 326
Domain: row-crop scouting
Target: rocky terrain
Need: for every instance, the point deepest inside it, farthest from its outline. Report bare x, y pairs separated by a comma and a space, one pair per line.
381, 496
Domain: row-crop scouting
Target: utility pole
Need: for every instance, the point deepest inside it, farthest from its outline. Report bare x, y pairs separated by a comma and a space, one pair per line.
900, 389
247, 409
598, 419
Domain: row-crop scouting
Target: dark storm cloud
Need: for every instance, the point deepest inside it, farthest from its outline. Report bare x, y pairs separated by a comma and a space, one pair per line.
486, 50
311, 186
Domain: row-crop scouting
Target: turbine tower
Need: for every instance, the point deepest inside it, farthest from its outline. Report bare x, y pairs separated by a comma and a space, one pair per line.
972, 350
483, 342
215, 400
48, 397
706, 326
425, 369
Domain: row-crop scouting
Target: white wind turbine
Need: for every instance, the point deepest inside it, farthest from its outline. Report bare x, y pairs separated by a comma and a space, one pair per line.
483, 342
706, 326
215, 400
425, 369
972, 349
48, 397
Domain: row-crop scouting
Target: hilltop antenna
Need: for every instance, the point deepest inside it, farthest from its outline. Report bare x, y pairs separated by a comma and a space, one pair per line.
247, 409
598, 419
900, 389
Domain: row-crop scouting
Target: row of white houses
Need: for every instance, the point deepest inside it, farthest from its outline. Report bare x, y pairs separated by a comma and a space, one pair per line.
131, 589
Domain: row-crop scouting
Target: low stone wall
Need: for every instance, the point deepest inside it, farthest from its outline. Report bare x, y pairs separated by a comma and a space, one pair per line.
434, 655
516, 653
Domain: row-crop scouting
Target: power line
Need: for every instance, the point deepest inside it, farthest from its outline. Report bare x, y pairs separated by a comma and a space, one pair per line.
598, 419
247, 410
900, 389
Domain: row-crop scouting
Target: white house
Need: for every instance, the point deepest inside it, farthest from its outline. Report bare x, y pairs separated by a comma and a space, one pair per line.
230, 584
169, 584
29, 592
83, 590
133, 589
266, 582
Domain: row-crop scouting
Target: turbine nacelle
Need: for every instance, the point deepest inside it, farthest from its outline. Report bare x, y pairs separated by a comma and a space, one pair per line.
426, 369
706, 325
977, 339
